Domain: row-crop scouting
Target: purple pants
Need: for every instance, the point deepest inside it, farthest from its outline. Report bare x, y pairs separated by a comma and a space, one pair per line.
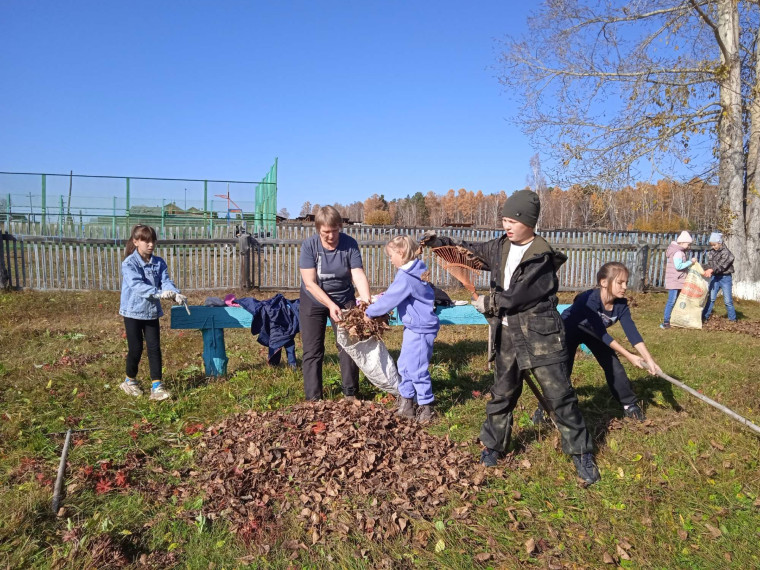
413, 362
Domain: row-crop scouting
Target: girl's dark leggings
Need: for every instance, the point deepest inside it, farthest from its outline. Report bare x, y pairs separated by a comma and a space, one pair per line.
614, 373
137, 330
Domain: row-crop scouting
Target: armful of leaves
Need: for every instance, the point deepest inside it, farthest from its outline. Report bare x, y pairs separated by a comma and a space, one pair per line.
353, 321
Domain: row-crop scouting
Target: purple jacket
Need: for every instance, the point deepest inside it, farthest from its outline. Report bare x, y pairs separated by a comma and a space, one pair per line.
413, 297
674, 278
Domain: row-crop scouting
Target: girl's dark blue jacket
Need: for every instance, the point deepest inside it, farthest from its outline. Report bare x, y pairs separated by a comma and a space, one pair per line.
587, 314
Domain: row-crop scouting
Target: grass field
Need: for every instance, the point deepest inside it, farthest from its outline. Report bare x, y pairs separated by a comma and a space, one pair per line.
679, 491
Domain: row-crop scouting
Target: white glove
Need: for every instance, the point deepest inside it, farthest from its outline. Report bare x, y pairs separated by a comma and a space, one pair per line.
479, 304
180, 298
167, 294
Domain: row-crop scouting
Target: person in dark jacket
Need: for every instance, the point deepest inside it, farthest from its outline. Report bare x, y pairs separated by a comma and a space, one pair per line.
415, 300
527, 332
719, 268
586, 322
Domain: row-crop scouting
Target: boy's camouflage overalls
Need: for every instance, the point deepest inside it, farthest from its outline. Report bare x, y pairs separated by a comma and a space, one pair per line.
534, 339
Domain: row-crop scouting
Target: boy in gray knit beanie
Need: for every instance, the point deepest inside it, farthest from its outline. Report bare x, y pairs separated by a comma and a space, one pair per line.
527, 335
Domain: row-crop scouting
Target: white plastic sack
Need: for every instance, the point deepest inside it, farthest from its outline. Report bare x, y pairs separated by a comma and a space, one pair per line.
691, 300
372, 358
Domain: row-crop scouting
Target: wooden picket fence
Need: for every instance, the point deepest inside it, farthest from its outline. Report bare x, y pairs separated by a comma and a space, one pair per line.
222, 230
198, 264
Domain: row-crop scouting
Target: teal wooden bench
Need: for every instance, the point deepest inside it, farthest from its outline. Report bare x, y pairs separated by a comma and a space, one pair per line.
213, 320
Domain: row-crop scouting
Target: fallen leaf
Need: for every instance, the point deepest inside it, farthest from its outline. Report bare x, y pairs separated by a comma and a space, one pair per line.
622, 553
714, 532
530, 546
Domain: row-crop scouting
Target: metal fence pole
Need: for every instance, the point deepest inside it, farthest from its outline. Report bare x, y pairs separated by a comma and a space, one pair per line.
44, 202
128, 205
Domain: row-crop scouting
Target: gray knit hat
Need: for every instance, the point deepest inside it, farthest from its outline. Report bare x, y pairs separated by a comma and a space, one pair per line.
523, 206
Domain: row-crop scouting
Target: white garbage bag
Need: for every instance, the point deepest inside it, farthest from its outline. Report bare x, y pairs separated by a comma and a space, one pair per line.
372, 358
691, 300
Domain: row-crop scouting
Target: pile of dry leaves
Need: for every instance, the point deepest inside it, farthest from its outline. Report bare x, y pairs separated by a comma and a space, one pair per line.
341, 467
358, 328
717, 323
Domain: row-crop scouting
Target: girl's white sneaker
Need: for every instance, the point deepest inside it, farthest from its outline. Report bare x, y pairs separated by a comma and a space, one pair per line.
159, 393
131, 387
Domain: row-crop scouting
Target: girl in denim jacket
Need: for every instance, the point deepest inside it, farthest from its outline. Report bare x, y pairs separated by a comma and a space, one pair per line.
145, 281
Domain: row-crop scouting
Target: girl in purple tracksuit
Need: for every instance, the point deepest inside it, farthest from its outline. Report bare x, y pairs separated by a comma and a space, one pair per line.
414, 298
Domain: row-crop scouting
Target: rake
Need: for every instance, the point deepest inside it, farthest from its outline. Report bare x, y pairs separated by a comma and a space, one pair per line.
729, 412
461, 264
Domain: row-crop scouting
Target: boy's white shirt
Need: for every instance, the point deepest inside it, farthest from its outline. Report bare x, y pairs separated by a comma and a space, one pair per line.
514, 257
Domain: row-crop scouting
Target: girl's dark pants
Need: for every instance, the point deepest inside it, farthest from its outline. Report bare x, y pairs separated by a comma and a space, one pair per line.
137, 330
557, 390
617, 379
313, 317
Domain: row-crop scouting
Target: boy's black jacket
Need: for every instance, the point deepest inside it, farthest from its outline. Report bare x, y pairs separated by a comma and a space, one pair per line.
720, 261
530, 306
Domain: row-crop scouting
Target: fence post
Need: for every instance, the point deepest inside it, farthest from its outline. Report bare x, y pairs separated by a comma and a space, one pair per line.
244, 245
641, 264
128, 204
5, 278
44, 203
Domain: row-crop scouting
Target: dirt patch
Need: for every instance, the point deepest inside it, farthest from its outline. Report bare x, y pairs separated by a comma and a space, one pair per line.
341, 467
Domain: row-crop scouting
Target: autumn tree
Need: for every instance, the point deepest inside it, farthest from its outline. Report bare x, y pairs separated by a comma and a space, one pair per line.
305, 209
609, 86
378, 218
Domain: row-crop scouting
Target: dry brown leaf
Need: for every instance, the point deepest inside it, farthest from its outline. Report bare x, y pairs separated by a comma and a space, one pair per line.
622, 553
714, 531
530, 546
607, 559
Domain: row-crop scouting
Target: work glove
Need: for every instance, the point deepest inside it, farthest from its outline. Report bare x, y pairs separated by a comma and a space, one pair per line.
479, 304
430, 239
167, 294
180, 298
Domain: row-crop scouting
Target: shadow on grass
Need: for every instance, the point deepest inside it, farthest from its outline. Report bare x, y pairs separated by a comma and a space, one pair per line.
465, 375
597, 404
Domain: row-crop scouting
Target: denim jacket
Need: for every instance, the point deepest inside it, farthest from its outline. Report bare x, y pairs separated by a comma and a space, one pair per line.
141, 286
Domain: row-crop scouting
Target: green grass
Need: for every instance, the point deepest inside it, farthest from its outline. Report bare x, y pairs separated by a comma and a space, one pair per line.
679, 491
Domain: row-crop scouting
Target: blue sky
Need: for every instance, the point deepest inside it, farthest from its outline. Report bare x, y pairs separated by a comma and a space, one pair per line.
355, 98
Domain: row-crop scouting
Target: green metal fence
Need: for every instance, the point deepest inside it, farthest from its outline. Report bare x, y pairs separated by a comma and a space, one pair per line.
77, 205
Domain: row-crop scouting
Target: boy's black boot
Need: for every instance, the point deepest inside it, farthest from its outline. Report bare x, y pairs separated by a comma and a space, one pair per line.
634, 412
586, 468
490, 457
405, 407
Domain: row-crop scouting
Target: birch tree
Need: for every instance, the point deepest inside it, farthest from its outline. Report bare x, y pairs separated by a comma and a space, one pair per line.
614, 89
